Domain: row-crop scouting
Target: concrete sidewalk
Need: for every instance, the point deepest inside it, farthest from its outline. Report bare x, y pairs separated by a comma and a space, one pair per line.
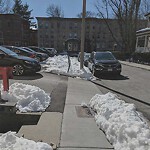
79, 131
74, 129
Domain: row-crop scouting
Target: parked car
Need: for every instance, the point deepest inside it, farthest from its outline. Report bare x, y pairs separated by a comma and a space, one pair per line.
20, 64
104, 62
86, 58
52, 51
40, 50
39, 56
63, 53
21, 51
73, 53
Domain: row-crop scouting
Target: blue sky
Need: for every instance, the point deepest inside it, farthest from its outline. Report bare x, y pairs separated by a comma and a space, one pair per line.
70, 7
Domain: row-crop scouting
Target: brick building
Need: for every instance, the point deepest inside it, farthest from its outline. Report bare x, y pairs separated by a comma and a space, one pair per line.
33, 37
59, 32
14, 30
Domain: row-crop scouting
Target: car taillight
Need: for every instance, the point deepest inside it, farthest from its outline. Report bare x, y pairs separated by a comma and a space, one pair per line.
32, 56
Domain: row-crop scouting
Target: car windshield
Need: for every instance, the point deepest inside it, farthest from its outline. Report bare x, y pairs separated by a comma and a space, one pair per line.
104, 56
42, 49
22, 49
8, 51
86, 56
28, 49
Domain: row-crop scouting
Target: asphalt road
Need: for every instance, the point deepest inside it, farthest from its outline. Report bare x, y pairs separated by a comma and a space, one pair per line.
132, 86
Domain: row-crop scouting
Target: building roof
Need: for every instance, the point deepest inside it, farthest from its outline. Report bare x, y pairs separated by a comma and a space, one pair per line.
143, 30
79, 19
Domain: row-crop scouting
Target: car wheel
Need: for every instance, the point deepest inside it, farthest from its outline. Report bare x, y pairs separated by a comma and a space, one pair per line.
38, 59
18, 70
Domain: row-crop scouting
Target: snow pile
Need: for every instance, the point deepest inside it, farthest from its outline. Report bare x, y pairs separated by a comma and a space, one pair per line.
9, 141
59, 64
29, 98
142, 30
76, 71
124, 127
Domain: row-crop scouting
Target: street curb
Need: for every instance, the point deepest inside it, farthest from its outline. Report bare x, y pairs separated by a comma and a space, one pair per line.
141, 66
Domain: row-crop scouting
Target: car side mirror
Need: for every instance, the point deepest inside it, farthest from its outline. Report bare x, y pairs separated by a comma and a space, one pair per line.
2, 56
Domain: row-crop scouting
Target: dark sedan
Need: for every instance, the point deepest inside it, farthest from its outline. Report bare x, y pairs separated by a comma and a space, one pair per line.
21, 51
104, 63
20, 64
40, 50
39, 56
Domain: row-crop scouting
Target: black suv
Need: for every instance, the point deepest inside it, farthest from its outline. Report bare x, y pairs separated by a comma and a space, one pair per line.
104, 62
20, 64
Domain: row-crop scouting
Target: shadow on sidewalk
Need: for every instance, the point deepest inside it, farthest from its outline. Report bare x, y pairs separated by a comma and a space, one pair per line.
34, 76
113, 77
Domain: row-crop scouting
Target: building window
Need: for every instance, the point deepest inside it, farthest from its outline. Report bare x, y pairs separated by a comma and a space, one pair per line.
40, 25
46, 26
70, 26
9, 24
70, 35
75, 35
52, 26
52, 43
16, 43
75, 25
58, 25
141, 41
46, 36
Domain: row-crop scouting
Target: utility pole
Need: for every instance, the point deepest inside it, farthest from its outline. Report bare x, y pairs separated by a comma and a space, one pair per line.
82, 34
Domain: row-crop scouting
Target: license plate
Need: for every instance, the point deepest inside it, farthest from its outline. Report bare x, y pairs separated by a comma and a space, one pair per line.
109, 69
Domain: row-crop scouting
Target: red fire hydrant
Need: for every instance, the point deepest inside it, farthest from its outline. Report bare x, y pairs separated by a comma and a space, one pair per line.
6, 74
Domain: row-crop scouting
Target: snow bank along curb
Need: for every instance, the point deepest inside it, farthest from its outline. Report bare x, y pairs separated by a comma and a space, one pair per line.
9, 141
124, 127
29, 98
59, 65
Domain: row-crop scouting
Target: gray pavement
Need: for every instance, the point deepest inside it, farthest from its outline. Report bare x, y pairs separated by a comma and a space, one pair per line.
80, 132
68, 130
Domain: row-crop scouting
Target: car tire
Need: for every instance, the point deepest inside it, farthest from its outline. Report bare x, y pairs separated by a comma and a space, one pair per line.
18, 70
38, 59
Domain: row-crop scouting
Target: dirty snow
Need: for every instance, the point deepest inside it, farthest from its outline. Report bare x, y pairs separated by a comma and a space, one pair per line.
29, 98
10, 141
59, 65
124, 127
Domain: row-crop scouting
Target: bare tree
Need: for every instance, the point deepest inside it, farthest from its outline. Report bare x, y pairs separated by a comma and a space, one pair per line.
127, 13
144, 8
5, 6
89, 14
54, 11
